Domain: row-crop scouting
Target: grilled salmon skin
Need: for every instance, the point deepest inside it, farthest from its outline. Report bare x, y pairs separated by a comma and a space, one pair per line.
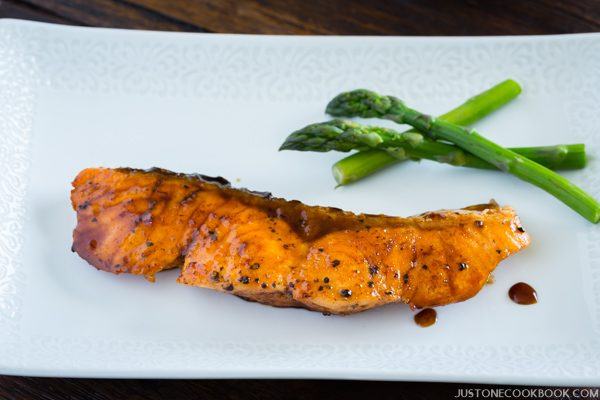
285, 253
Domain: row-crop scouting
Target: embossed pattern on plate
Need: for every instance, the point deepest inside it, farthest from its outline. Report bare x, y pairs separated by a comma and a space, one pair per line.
220, 104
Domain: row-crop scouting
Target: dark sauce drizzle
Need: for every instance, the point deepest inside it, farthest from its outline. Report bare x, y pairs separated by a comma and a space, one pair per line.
426, 317
522, 293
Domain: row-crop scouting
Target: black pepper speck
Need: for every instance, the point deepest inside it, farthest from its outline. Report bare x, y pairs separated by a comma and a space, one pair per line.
335, 263
462, 266
346, 292
229, 287
326, 279
405, 278
244, 279
373, 269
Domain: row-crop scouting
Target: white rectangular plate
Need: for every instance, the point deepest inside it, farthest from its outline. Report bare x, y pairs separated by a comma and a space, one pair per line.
72, 98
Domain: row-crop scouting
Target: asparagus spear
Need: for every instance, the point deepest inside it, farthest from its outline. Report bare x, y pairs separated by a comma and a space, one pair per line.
362, 164
367, 104
343, 135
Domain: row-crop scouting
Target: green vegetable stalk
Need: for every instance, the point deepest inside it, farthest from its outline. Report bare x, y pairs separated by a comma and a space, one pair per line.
362, 164
367, 104
344, 135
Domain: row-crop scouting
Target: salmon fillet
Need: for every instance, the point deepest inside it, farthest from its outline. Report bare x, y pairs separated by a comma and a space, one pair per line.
285, 253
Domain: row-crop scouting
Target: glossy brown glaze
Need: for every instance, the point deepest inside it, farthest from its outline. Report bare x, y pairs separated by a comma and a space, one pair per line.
285, 253
522, 293
426, 317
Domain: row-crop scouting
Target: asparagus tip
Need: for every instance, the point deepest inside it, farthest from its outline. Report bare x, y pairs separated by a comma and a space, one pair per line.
359, 102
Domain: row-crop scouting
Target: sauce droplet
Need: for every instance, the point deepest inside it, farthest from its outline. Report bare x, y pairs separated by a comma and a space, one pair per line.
426, 317
522, 293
